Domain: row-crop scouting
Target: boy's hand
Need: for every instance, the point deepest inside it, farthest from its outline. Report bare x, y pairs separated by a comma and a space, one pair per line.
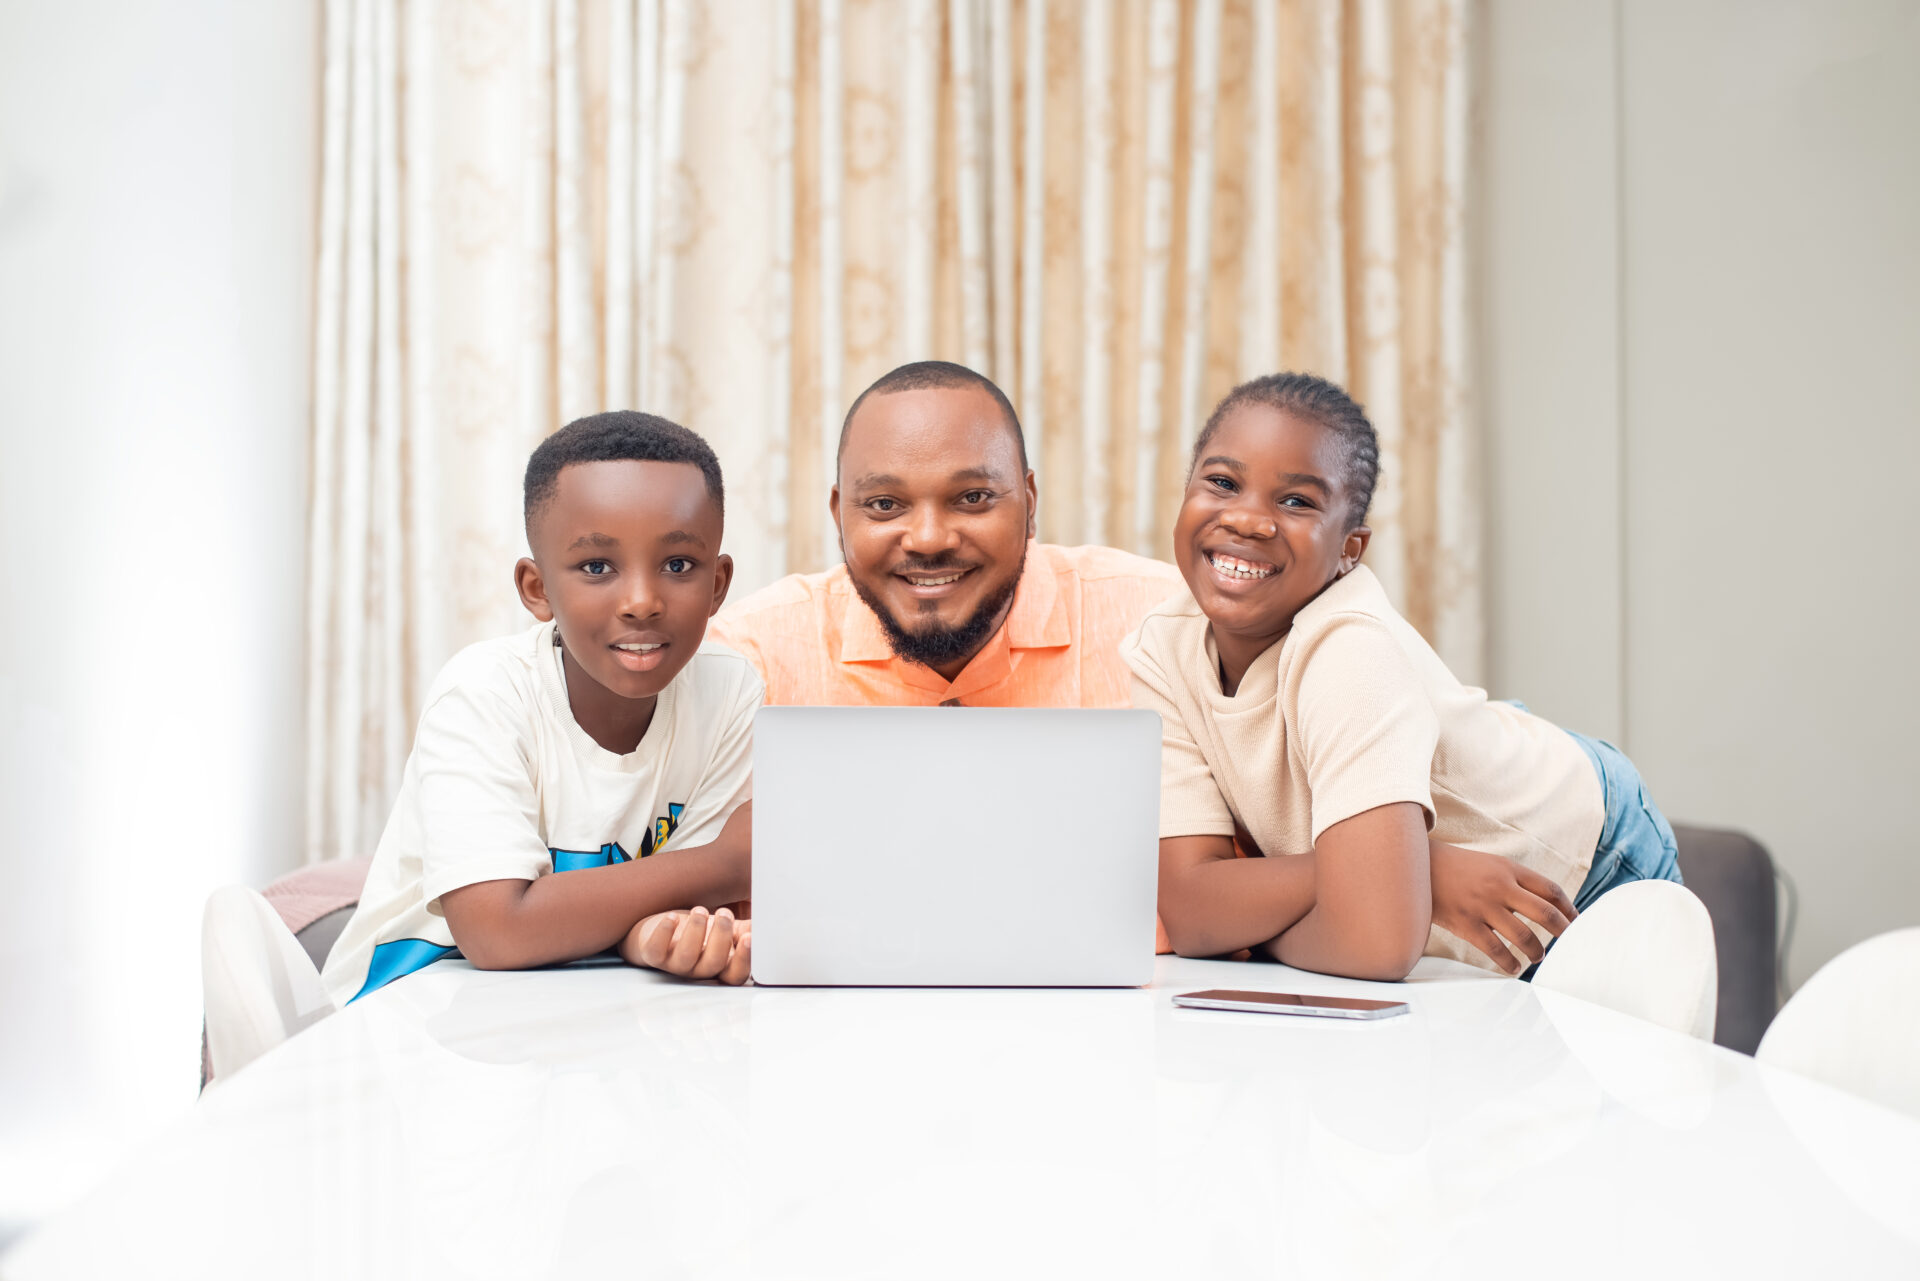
693, 944
1481, 897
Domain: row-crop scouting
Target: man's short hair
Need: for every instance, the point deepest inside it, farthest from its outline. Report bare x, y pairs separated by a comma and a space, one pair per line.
926, 375
620, 435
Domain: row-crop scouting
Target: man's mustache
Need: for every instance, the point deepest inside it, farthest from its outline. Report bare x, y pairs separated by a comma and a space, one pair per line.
936, 565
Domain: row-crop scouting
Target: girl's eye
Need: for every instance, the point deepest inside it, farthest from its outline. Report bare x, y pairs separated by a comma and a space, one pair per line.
1222, 483
1295, 500
597, 568
680, 565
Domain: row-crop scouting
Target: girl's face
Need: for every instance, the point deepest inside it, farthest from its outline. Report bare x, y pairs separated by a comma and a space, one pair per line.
1263, 527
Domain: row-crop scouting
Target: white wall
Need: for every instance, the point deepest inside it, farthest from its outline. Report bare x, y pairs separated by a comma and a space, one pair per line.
1701, 363
157, 189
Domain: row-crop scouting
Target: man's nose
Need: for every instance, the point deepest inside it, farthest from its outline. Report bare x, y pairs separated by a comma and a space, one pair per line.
928, 531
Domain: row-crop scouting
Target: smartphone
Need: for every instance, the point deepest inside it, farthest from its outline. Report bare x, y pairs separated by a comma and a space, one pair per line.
1325, 1007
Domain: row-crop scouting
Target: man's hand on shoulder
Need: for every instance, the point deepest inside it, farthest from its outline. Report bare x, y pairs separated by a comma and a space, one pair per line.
694, 944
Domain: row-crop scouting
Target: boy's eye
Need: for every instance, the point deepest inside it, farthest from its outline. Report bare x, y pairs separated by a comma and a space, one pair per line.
680, 565
597, 568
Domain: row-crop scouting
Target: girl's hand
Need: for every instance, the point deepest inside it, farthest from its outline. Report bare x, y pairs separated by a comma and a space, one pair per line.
1481, 899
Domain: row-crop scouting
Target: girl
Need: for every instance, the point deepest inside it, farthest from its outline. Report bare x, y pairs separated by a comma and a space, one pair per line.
1303, 713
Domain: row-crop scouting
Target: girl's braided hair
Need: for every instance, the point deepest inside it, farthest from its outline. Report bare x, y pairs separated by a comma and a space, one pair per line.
1320, 402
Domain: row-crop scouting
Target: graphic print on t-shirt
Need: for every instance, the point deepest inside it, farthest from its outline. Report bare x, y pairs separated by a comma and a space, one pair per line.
651, 840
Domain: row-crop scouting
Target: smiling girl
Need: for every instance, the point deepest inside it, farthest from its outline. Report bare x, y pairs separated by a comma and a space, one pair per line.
1404, 813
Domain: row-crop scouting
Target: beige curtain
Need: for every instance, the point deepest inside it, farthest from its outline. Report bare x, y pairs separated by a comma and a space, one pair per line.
739, 213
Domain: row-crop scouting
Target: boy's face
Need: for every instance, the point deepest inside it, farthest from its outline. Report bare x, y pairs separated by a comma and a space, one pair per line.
1263, 526
626, 560
934, 511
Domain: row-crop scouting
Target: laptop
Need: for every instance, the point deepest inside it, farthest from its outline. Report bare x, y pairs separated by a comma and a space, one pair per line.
954, 846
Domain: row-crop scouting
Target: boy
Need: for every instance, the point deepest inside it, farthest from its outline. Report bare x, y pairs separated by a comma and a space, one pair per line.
1303, 712
606, 744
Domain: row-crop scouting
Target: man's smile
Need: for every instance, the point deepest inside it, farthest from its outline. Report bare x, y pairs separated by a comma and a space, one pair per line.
931, 584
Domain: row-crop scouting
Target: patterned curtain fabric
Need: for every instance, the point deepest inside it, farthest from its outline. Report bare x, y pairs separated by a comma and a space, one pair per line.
737, 214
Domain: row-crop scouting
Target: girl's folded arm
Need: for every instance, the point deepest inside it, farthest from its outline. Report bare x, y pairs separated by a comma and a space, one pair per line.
1372, 897
1213, 903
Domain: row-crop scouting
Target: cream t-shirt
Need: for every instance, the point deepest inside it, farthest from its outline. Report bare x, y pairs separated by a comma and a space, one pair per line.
503, 784
1350, 711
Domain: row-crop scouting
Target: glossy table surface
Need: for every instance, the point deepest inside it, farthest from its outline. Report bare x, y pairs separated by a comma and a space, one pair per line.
569, 1122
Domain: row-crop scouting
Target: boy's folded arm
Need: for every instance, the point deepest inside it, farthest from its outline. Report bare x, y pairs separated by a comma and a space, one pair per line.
517, 924
1373, 902
1213, 903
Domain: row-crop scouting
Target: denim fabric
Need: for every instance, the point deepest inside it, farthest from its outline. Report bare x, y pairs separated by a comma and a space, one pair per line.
1636, 842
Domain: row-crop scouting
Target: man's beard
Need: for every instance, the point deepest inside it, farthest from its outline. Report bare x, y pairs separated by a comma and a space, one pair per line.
937, 645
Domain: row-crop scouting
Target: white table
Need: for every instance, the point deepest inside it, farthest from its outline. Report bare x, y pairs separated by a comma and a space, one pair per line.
602, 1121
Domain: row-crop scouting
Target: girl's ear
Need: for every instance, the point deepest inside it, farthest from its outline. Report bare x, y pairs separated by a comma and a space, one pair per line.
532, 589
1354, 548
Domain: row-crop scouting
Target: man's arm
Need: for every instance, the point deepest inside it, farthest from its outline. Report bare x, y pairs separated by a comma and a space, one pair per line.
1372, 898
1213, 903
516, 924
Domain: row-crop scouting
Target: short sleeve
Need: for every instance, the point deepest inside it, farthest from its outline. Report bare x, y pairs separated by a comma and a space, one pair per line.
1190, 799
727, 782
479, 815
1366, 727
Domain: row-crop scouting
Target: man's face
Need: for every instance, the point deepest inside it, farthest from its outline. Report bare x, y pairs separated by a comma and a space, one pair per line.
626, 560
934, 511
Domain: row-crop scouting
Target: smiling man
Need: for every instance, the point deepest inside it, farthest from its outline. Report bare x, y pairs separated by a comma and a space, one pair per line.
944, 598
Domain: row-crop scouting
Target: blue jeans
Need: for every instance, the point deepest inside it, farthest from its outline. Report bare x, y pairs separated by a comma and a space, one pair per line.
1636, 843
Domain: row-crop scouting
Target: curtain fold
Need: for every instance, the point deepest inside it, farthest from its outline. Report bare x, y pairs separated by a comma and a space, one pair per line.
738, 215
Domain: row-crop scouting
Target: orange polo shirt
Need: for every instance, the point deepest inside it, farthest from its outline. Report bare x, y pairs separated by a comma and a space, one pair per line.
817, 644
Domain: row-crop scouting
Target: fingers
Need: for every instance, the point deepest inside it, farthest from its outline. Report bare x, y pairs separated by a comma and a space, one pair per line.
1543, 901
740, 964
1515, 932
1494, 948
719, 945
647, 943
689, 941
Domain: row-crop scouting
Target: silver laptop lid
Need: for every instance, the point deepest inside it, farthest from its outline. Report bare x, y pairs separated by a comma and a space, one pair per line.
977, 847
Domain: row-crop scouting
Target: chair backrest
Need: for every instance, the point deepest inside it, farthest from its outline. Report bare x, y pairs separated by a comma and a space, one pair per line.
1734, 876
1856, 1023
260, 986
1645, 949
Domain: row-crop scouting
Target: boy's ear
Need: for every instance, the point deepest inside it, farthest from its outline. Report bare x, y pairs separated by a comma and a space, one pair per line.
1354, 548
1033, 505
533, 589
722, 579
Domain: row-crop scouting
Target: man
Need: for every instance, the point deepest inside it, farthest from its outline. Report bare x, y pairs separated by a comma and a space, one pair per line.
944, 599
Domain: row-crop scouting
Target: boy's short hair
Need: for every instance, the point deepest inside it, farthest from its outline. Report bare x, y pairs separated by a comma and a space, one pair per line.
929, 375
1321, 402
619, 435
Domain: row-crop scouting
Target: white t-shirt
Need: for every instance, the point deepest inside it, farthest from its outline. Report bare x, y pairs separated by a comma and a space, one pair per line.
503, 784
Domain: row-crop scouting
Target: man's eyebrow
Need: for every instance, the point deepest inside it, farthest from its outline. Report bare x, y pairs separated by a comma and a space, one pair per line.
975, 473
593, 540
876, 480
684, 536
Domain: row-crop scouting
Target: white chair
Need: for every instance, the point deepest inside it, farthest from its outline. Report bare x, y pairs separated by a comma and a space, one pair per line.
1856, 1023
260, 987
1645, 949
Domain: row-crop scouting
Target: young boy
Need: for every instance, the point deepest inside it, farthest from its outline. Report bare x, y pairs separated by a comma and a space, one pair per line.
1304, 713
605, 745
